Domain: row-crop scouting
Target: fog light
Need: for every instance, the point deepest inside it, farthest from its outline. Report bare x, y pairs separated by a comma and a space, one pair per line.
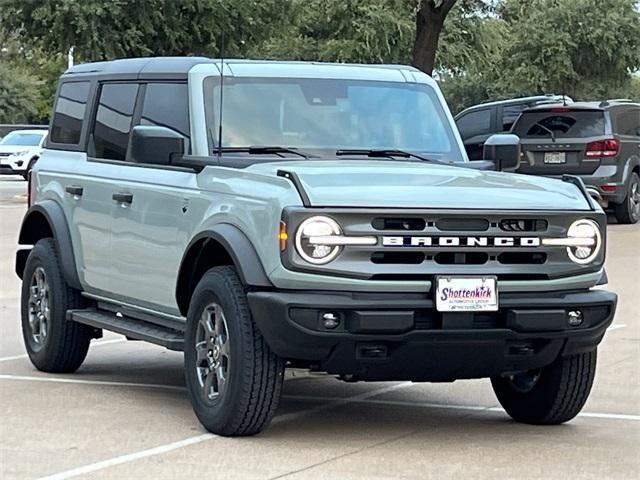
575, 318
330, 320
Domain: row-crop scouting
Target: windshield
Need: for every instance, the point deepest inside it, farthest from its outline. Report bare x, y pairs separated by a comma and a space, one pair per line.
569, 124
22, 139
330, 115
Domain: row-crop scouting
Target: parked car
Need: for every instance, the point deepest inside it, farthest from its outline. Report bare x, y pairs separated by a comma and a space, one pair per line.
19, 151
321, 216
479, 122
599, 141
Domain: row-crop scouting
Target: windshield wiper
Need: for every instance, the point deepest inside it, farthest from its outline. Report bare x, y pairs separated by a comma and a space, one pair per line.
258, 150
389, 153
551, 132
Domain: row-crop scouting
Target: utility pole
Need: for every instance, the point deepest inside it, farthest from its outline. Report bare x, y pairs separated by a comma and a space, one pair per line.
70, 57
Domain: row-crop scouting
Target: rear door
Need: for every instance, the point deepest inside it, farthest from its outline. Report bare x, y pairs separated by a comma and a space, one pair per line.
626, 127
554, 140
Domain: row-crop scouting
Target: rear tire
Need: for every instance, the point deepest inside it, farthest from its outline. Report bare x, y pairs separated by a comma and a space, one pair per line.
53, 343
551, 396
233, 378
629, 210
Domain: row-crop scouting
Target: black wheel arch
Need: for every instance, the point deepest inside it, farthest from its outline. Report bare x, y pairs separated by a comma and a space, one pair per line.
43, 220
223, 244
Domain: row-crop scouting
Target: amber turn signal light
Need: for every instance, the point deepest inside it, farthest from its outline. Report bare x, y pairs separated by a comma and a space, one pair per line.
283, 236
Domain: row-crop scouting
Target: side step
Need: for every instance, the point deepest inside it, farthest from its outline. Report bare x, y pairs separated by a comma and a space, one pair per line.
130, 327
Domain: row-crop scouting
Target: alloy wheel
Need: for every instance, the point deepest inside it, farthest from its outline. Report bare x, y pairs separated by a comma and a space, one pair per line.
212, 352
39, 311
634, 200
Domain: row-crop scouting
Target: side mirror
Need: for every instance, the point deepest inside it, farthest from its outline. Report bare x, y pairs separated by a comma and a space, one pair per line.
155, 145
504, 150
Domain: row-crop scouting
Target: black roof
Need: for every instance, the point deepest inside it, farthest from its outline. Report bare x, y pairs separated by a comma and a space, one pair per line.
138, 68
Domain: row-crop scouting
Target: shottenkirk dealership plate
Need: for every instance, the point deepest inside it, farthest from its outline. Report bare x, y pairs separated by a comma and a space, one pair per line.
555, 157
466, 294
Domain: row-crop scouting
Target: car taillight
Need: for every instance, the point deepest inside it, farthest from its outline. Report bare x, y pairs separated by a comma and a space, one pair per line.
603, 148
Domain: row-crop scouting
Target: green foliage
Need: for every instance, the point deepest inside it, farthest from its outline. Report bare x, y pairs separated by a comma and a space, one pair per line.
18, 95
581, 47
488, 49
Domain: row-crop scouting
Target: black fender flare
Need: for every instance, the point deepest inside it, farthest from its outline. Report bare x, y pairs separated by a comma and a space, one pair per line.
57, 221
241, 251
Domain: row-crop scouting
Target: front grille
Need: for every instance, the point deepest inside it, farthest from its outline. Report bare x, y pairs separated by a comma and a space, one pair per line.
422, 244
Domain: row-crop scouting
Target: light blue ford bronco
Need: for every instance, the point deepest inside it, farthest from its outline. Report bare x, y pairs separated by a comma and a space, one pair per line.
261, 215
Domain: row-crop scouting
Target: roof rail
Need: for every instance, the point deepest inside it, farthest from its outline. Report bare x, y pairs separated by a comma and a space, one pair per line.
615, 100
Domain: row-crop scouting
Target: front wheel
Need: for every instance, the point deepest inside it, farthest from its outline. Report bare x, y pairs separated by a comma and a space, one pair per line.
550, 396
233, 378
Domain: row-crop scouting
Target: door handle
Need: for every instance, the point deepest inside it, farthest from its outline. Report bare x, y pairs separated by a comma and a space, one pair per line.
123, 197
74, 190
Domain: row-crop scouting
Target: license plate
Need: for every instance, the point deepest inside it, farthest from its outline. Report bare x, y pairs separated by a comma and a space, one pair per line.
466, 294
555, 157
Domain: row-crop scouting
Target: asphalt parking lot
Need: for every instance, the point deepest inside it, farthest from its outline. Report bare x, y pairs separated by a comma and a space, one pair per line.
125, 413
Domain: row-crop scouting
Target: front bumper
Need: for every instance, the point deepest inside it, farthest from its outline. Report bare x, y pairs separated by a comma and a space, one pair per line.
402, 337
610, 175
12, 165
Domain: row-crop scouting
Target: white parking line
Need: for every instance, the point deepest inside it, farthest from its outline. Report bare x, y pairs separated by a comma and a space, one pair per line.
93, 467
29, 378
616, 327
93, 344
129, 458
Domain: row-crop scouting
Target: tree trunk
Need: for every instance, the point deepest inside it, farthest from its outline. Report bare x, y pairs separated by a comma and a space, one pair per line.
429, 21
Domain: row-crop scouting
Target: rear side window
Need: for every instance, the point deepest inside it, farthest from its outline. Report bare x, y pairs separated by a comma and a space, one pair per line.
575, 124
628, 123
166, 105
113, 120
69, 112
475, 123
510, 114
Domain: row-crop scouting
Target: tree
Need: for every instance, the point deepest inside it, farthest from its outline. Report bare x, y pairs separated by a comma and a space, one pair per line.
430, 17
18, 95
570, 46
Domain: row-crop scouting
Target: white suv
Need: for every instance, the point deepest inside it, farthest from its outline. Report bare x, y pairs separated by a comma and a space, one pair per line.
20, 150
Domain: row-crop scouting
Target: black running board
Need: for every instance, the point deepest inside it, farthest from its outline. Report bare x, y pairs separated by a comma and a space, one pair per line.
130, 327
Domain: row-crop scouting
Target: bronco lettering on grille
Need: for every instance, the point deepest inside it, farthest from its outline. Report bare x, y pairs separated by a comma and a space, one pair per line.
410, 241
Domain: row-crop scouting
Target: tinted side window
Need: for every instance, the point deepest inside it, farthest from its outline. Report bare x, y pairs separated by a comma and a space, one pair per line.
628, 122
113, 120
166, 105
69, 113
510, 114
475, 123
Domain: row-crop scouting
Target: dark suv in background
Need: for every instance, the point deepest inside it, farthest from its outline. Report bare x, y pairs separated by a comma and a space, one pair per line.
599, 141
479, 122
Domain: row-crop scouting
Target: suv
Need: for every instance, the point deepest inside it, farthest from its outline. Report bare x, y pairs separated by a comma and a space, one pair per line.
258, 215
600, 142
479, 122
20, 150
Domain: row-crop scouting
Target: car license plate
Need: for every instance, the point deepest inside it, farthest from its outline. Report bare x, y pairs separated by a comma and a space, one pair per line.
555, 157
466, 294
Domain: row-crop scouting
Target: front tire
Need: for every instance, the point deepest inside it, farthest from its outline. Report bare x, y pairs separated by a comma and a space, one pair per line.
30, 166
629, 210
550, 396
233, 378
53, 343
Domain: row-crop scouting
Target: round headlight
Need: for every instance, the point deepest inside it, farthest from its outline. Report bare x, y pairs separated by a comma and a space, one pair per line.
309, 240
587, 241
